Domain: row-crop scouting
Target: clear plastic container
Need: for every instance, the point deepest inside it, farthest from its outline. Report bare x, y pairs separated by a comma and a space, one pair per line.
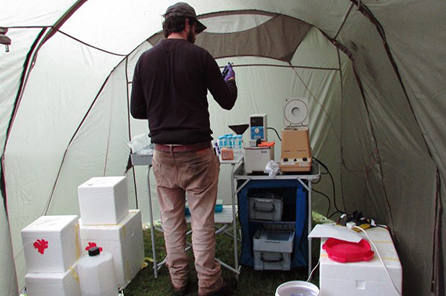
221, 141
233, 143
97, 274
239, 144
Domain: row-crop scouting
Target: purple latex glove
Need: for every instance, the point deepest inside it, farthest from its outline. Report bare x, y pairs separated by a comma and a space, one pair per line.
230, 72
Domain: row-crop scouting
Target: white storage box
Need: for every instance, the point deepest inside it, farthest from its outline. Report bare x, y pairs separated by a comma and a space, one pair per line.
267, 209
272, 249
365, 278
51, 243
124, 241
103, 200
46, 284
141, 159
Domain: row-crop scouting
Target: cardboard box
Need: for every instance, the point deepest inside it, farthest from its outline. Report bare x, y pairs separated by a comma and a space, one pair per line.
60, 284
366, 278
124, 241
109, 194
51, 244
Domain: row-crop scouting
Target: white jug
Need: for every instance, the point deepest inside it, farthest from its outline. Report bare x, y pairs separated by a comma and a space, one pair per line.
97, 274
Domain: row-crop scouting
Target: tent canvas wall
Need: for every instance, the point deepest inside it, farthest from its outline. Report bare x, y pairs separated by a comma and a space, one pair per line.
373, 72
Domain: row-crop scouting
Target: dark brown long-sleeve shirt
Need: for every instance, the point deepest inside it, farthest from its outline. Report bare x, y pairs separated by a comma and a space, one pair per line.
169, 89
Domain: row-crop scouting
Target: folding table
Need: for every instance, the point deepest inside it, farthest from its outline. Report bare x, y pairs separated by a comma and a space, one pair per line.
226, 217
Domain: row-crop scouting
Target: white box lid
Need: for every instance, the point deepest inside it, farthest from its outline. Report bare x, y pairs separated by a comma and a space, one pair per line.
101, 183
50, 225
37, 277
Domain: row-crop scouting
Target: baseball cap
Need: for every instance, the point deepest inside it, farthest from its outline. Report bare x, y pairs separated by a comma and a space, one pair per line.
184, 9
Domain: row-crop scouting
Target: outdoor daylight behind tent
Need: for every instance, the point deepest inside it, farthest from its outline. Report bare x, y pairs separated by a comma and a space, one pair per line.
372, 71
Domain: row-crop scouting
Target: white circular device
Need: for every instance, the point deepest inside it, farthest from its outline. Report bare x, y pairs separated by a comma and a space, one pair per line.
296, 112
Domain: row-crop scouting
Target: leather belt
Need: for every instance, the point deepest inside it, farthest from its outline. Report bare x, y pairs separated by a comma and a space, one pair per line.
182, 148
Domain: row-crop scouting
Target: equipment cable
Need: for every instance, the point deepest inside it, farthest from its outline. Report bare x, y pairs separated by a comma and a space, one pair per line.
328, 199
271, 128
311, 274
333, 185
379, 256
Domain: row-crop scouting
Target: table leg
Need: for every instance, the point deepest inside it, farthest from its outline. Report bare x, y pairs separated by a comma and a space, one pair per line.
234, 223
310, 221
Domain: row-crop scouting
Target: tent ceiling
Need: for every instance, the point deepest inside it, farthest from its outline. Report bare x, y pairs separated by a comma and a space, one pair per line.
258, 41
377, 116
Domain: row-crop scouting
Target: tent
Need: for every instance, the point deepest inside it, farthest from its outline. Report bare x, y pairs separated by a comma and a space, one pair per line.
373, 72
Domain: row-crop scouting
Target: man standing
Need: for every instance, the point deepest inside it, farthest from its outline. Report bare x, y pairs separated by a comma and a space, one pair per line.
169, 89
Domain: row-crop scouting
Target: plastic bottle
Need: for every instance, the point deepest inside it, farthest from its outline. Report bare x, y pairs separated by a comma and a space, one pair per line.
228, 141
224, 142
240, 144
221, 141
234, 143
97, 274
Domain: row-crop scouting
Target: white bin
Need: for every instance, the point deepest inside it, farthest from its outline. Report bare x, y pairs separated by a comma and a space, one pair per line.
297, 288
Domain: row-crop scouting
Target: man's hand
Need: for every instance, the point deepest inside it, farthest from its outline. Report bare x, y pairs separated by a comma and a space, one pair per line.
230, 74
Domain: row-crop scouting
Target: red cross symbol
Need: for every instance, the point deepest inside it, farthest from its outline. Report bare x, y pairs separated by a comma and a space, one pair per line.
41, 245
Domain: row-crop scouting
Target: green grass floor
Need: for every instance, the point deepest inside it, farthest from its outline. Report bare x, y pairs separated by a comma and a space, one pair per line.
251, 282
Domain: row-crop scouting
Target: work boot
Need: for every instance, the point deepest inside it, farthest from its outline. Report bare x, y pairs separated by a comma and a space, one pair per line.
227, 288
181, 291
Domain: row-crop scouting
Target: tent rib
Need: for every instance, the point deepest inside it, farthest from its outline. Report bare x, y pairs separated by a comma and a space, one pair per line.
437, 284
69, 144
367, 13
27, 65
237, 12
92, 46
107, 149
63, 19
438, 288
342, 117
376, 146
130, 130
343, 21
314, 98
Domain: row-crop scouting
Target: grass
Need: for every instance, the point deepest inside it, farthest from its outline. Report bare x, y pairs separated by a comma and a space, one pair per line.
251, 282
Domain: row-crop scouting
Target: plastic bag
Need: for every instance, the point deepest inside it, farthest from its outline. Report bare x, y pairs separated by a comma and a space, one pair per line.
272, 168
141, 145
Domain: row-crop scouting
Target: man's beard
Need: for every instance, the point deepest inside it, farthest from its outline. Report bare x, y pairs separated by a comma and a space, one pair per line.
191, 37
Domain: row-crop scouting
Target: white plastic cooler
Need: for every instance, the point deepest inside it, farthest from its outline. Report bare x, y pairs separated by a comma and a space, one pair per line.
365, 278
103, 200
124, 241
51, 244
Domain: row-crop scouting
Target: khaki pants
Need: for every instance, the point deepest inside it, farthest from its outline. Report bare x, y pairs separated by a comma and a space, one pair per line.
197, 174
